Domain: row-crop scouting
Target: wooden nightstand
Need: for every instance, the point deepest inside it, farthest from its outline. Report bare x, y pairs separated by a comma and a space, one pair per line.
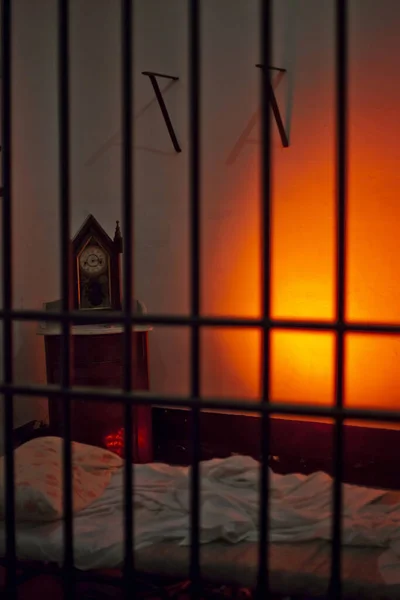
97, 352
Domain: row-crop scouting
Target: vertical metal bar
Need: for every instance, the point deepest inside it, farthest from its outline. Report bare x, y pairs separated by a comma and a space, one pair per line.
65, 263
6, 116
266, 49
195, 194
341, 124
127, 194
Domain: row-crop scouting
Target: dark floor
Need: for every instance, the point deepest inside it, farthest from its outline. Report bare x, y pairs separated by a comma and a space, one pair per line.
48, 587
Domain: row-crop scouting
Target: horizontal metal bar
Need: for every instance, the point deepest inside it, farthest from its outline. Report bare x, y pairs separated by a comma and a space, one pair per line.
209, 403
115, 318
153, 74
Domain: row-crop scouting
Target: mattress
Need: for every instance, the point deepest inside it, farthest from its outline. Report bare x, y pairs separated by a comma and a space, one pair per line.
296, 567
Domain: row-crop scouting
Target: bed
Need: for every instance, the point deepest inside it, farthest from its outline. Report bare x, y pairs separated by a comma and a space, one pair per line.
300, 530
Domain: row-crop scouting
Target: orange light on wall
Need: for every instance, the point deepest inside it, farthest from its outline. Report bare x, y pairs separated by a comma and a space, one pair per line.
373, 375
303, 287
230, 361
302, 367
303, 244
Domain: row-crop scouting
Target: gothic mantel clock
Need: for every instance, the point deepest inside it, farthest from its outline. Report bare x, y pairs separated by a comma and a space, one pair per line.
96, 268
99, 352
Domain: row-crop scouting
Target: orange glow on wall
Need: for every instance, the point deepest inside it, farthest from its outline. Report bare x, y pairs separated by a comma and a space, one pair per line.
303, 287
302, 367
303, 234
373, 238
303, 244
232, 369
373, 376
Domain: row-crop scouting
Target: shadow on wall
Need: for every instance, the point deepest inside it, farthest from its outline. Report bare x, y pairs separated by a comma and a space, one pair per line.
116, 138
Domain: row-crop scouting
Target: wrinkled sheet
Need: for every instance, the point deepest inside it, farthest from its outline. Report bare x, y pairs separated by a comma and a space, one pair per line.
300, 521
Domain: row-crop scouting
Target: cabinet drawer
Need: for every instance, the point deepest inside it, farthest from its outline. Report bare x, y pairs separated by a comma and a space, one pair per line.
89, 349
105, 375
98, 375
96, 349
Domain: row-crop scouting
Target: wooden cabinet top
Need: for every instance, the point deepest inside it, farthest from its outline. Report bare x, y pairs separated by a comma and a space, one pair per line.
51, 328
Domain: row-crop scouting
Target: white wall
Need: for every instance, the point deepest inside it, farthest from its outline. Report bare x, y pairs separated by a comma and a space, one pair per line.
34, 185
303, 44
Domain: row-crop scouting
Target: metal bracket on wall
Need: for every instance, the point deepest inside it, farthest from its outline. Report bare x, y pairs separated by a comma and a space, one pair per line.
153, 79
275, 108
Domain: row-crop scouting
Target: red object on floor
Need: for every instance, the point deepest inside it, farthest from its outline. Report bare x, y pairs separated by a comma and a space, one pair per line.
116, 442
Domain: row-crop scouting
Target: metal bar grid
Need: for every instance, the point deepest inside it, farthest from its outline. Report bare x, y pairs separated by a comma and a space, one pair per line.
209, 403
127, 396
195, 216
6, 117
127, 7
341, 167
266, 89
66, 271
202, 321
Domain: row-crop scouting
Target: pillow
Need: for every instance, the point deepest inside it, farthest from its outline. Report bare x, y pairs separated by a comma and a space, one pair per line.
39, 478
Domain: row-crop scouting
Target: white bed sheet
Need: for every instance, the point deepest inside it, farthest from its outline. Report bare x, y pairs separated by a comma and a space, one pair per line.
300, 512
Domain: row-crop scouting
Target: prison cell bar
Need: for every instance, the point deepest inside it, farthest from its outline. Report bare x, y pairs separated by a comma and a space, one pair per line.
244, 405
266, 47
127, 208
203, 321
8, 389
65, 270
8, 396
341, 179
195, 195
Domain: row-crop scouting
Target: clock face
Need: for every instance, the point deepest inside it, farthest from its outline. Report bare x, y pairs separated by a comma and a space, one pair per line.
94, 278
93, 261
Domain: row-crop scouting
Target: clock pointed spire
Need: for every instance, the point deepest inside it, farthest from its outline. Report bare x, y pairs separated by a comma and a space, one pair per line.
118, 239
